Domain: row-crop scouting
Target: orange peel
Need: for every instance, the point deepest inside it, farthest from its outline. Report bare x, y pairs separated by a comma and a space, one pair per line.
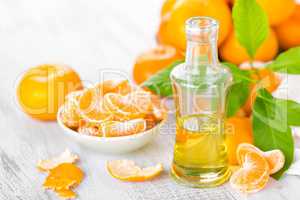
127, 170
65, 157
62, 178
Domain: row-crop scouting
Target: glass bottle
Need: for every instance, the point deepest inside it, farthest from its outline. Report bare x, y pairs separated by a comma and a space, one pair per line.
200, 87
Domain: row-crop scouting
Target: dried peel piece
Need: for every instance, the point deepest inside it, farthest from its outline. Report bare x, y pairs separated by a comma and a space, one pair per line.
127, 170
65, 157
63, 178
66, 193
58, 184
64, 175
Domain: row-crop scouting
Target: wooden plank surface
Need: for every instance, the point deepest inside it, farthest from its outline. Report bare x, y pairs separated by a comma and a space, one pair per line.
89, 36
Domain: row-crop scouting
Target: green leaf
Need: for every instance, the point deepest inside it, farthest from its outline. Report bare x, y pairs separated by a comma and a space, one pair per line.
291, 110
237, 73
160, 82
287, 62
239, 91
250, 25
237, 96
270, 128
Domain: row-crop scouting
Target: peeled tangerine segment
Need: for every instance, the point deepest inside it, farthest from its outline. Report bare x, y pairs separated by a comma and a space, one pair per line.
70, 113
275, 158
253, 175
65, 157
140, 99
92, 97
115, 129
127, 170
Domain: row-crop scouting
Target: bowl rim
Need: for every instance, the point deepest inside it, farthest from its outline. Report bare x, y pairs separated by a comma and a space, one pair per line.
71, 132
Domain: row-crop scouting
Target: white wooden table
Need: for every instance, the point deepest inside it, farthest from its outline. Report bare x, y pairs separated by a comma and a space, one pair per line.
89, 36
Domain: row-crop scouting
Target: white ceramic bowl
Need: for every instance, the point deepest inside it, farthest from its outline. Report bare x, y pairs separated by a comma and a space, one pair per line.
121, 144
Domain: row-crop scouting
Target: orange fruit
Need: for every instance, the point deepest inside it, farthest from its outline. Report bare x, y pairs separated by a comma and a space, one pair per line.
120, 109
167, 7
253, 174
238, 130
116, 129
232, 51
90, 127
70, 111
153, 60
42, 89
159, 109
127, 170
117, 109
141, 99
172, 28
90, 102
277, 10
266, 79
275, 158
288, 32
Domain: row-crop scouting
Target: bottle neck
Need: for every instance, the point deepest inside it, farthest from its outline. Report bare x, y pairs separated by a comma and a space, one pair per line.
201, 54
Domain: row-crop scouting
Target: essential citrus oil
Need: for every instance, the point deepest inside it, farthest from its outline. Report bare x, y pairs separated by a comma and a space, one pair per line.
200, 88
200, 153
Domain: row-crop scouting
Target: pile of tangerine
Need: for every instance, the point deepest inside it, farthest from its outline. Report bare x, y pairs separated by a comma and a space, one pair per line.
111, 109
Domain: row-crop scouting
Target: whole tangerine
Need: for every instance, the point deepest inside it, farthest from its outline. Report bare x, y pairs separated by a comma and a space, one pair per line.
153, 60
288, 32
232, 51
238, 130
172, 27
42, 89
276, 10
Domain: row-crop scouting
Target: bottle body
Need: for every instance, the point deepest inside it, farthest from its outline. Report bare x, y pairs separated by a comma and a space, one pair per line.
200, 87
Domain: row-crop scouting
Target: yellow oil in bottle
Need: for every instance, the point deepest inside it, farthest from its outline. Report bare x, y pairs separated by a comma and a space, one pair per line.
199, 89
200, 153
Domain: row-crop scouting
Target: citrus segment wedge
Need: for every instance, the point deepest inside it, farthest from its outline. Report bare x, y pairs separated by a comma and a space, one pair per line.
253, 175
120, 108
115, 129
70, 111
275, 160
